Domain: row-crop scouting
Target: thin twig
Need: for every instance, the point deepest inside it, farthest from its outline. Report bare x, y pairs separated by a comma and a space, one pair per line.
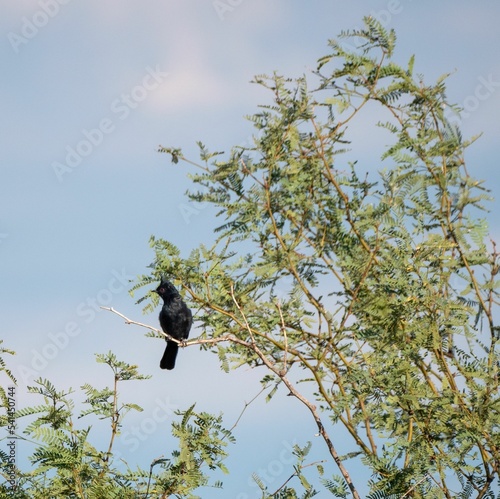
283, 329
247, 325
415, 485
130, 321
296, 473
194, 341
154, 463
245, 407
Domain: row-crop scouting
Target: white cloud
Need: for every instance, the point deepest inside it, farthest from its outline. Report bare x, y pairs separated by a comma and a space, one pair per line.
190, 86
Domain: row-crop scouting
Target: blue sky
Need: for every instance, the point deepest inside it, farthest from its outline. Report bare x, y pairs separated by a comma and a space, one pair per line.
101, 85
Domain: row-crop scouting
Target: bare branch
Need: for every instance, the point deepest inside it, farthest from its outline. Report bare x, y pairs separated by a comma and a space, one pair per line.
194, 341
283, 330
247, 404
296, 473
415, 485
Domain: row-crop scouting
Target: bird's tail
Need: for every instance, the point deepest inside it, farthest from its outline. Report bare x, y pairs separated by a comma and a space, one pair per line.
168, 359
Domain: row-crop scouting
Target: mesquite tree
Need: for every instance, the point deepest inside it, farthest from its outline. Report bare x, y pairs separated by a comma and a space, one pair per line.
378, 291
65, 463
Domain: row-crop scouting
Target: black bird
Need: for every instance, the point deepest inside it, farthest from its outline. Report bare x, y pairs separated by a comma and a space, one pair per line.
175, 320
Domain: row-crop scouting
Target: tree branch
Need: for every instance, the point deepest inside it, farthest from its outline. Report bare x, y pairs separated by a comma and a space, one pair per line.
309, 405
279, 372
194, 341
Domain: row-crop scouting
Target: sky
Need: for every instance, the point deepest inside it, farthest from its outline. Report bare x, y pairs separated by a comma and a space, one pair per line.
88, 91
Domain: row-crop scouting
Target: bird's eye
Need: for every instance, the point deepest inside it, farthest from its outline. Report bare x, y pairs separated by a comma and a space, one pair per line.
162, 290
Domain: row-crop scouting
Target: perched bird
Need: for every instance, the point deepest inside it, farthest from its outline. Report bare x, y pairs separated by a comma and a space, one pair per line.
175, 320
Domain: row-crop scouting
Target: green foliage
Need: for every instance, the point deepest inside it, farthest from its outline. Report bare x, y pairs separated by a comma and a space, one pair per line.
66, 464
285, 492
8, 374
202, 440
379, 291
